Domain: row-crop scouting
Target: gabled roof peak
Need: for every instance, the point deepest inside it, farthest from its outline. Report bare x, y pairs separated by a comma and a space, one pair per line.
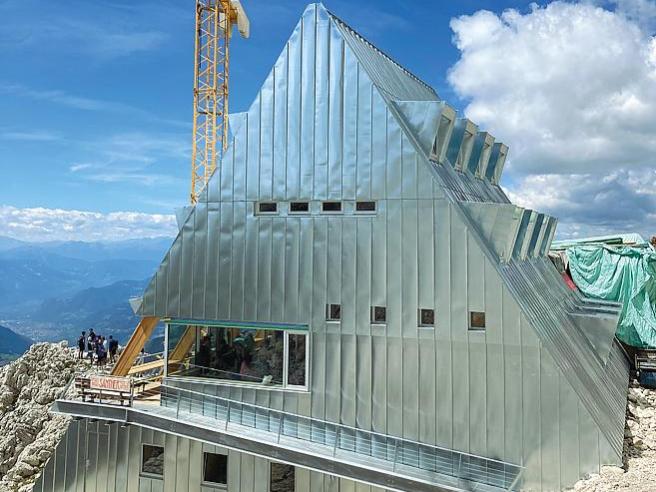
378, 50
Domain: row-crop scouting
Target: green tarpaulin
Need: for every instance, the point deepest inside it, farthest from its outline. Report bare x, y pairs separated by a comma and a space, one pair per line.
626, 275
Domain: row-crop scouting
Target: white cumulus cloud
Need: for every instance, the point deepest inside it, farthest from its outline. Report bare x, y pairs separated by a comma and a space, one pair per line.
51, 224
571, 87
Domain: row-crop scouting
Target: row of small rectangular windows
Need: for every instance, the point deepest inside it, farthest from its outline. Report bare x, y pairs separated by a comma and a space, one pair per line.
215, 469
304, 207
378, 315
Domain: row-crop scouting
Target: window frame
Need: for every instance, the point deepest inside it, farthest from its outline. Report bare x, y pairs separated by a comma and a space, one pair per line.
267, 212
329, 316
143, 473
421, 321
372, 315
328, 212
285, 370
471, 326
214, 485
366, 212
299, 212
285, 362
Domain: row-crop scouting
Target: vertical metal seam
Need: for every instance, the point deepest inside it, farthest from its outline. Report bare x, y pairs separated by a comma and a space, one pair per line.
301, 54
449, 215
503, 364
314, 105
540, 414
343, 111
328, 105
286, 110
274, 94
193, 258
436, 304
521, 365
231, 255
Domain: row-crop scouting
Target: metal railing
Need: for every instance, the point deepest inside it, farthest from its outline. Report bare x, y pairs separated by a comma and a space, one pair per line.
187, 369
333, 439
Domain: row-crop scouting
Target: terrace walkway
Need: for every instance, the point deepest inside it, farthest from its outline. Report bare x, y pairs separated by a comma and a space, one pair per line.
372, 458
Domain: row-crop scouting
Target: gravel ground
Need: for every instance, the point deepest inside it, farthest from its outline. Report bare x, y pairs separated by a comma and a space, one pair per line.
639, 471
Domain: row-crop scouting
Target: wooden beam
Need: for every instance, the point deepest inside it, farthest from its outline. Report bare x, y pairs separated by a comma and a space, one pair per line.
141, 334
182, 348
180, 351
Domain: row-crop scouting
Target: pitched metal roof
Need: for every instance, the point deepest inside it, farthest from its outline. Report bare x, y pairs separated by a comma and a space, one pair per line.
389, 76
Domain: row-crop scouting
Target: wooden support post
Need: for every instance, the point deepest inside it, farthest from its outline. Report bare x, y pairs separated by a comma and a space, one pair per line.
141, 334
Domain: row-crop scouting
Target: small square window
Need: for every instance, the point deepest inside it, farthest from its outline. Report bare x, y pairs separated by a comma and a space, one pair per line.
426, 317
378, 315
333, 312
152, 460
476, 320
215, 468
331, 206
268, 207
365, 206
283, 478
299, 207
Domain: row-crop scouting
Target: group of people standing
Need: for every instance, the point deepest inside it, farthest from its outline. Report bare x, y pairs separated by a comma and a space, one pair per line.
97, 348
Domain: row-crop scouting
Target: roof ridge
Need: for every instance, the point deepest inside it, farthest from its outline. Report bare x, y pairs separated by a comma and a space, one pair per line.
382, 53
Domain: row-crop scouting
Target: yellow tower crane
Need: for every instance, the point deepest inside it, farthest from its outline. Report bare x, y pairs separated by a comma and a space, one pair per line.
214, 22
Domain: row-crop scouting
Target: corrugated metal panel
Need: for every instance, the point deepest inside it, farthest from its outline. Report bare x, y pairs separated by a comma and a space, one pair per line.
602, 388
386, 74
102, 457
336, 136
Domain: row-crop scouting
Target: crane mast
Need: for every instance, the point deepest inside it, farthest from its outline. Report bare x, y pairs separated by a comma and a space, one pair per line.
214, 21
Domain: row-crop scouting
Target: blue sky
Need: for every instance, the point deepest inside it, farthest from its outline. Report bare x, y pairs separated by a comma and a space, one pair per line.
95, 97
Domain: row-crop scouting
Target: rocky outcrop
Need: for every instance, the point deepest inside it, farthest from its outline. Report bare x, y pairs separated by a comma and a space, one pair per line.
639, 471
28, 433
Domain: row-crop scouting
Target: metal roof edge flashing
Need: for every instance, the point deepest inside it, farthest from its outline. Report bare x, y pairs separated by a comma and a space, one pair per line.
375, 48
594, 399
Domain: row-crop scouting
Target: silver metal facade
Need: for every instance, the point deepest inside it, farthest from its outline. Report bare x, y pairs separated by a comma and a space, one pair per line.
338, 120
102, 457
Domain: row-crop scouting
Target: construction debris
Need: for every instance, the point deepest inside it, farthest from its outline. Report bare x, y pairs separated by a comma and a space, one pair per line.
28, 433
639, 471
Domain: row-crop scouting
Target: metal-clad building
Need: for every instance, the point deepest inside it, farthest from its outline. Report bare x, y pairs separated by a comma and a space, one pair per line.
357, 223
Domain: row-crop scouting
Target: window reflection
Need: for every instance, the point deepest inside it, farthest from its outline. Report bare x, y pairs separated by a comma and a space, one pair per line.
296, 360
237, 354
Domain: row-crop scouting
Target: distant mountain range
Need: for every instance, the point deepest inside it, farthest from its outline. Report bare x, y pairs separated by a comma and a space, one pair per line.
51, 291
152, 249
12, 345
105, 309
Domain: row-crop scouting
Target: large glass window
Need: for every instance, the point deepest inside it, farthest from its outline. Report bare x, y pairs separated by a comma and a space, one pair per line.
250, 355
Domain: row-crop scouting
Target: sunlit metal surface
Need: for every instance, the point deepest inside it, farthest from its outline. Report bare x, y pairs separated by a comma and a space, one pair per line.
338, 120
397, 468
339, 438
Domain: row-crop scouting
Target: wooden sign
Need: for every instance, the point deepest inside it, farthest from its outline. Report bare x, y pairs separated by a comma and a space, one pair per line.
111, 383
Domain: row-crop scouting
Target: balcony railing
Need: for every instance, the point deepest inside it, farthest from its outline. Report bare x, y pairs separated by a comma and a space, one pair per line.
335, 439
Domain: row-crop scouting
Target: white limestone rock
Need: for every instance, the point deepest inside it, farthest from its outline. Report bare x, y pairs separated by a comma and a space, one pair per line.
639, 471
28, 433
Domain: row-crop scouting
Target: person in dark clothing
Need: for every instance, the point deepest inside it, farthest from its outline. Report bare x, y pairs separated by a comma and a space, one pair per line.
81, 343
113, 348
204, 353
100, 352
91, 344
